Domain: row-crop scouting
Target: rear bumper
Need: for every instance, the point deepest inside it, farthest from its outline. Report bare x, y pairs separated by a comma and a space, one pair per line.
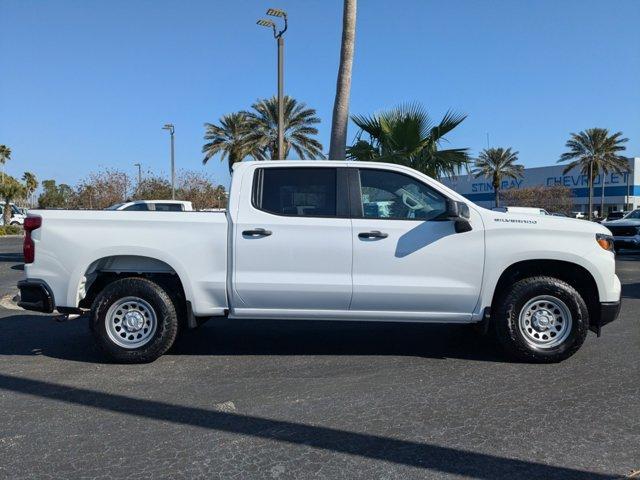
35, 295
609, 311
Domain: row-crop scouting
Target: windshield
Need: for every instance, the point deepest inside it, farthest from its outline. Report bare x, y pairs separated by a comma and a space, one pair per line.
635, 214
114, 207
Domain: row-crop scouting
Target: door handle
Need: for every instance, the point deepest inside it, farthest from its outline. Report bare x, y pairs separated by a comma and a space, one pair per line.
373, 234
257, 232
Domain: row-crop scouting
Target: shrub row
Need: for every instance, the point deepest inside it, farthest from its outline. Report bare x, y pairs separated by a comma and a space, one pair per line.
10, 230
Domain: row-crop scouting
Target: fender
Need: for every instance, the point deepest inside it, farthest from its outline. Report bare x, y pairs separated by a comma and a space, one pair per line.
77, 277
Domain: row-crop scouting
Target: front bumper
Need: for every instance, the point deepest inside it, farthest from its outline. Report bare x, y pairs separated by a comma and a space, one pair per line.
627, 242
35, 295
609, 311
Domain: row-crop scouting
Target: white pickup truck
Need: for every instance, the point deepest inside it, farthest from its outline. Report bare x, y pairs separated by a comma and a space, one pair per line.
330, 240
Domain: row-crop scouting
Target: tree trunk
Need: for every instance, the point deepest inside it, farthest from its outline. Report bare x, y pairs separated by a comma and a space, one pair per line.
591, 190
6, 216
602, 181
337, 149
496, 189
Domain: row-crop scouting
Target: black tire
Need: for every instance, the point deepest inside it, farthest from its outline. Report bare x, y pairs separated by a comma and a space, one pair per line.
506, 314
165, 313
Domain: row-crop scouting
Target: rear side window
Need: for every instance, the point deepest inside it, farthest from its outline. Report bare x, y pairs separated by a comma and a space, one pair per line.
302, 192
168, 207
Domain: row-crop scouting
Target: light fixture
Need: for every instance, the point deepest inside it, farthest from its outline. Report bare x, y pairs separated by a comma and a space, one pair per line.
276, 12
265, 23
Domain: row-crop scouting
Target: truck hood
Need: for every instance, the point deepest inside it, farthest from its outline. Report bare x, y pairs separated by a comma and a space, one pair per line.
518, 221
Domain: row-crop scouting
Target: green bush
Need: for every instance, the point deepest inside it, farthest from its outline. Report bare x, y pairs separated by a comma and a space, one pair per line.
10, 230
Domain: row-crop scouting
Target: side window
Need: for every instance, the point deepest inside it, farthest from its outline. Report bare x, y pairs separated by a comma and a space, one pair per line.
303, 192
168, 207
395, 196
138, 207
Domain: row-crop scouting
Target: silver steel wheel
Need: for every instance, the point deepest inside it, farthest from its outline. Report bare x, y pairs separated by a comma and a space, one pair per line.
131, 322
545, 321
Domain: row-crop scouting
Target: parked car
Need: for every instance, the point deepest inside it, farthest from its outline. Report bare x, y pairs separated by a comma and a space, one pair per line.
616, 215
17, 215
335, 240
578, 215
525, 210
626, 230
154, 206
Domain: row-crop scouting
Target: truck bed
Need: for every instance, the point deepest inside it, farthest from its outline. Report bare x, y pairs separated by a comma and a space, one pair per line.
73, 245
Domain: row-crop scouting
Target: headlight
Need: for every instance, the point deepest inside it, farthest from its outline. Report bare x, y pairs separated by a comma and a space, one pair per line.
605, 241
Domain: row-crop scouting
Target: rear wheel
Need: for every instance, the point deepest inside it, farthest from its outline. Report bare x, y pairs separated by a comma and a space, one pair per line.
134, 320
541, 319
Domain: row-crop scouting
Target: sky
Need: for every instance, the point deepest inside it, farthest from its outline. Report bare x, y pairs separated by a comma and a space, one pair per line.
86, 84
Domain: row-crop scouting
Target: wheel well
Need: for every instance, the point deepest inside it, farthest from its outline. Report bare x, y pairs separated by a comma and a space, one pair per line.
575, 275
109, 269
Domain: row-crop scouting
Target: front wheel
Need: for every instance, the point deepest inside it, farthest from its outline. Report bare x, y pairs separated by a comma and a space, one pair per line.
541, 319
134, 320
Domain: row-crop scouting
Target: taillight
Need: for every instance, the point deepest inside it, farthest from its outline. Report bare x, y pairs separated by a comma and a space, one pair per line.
28, 247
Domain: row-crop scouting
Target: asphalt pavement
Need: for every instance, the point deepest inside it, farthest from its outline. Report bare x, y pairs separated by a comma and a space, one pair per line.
280, 400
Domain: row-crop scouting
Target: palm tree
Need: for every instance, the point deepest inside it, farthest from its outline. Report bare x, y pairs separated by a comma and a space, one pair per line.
497, 164
5, 154
343, 85
30, 183
10, 189
407, 136
594, 150
229, 139
299, 121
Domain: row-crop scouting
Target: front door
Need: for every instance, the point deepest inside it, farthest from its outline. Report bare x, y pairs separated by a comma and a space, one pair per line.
293, 249
407, 260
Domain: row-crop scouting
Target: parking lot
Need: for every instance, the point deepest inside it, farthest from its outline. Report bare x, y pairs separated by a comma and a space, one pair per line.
269, 399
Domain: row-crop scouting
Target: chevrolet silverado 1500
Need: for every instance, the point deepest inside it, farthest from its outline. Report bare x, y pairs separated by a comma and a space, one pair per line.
333, 240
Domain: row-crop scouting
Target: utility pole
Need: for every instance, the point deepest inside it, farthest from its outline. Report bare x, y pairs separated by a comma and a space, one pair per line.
171, 129
277, 34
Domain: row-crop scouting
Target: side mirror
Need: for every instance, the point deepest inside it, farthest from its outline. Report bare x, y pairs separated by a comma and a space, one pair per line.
458, 211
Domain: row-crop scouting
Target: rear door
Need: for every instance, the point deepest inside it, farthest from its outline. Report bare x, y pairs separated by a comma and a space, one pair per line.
407, 260
292, 243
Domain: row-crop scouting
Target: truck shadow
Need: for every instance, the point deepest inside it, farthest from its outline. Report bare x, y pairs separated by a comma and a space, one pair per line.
272, 337
72, 340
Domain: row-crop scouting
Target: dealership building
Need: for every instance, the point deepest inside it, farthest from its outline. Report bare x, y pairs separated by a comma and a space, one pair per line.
621, 190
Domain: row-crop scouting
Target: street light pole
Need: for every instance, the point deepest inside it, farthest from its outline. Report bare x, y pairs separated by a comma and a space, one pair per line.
281, 153
277, 34
171, 129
